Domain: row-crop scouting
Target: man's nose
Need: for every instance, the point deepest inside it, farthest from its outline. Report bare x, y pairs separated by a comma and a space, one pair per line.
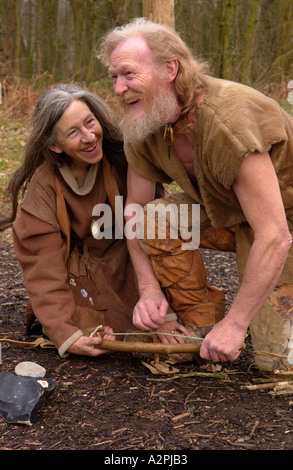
120, 86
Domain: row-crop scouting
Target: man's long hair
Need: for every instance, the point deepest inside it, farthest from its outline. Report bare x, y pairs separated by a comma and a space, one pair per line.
48, 111
165, 45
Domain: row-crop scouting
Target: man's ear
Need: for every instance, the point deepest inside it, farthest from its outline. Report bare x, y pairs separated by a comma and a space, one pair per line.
172, 69
55, 148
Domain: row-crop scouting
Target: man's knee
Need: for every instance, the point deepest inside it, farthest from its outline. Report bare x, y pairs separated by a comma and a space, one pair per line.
169, 223
272, 331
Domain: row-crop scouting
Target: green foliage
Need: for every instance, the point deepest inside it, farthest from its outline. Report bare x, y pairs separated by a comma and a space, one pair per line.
13, 135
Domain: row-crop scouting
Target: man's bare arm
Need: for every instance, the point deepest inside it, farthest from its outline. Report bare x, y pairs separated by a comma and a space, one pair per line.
257, 189
151, 309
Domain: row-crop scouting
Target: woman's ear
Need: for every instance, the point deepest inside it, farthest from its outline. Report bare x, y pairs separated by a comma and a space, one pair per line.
55, 148
172, 69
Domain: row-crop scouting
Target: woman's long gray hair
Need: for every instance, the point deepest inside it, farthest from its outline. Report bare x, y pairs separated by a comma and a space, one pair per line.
48, 111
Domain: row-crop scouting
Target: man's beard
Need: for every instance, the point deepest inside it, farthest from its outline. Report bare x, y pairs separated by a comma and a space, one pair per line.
159, 112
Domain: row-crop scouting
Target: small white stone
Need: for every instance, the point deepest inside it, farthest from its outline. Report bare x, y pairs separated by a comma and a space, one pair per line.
29, 369
95, 230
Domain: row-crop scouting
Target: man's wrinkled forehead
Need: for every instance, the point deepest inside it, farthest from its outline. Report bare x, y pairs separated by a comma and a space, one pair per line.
133, 49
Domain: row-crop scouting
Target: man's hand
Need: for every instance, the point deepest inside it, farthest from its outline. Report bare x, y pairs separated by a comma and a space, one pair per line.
223, 342
150, 311
87, 346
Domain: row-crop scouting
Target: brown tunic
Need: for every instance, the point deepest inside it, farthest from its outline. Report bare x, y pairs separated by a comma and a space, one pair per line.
232, 122
96, 285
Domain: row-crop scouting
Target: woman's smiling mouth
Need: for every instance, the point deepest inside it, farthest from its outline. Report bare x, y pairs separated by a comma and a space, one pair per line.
90, 149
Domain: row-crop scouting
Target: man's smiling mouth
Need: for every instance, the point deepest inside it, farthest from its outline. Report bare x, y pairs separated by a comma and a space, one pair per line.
132, 102
132, 99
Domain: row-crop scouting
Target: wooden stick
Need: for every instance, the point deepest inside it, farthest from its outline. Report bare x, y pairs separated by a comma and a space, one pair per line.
266, 386
150, 347
123, 346
139, 346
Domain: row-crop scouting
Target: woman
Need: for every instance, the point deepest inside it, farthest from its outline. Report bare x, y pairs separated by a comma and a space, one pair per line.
74, 160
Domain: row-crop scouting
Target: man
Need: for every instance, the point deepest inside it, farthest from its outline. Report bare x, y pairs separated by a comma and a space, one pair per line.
230, 149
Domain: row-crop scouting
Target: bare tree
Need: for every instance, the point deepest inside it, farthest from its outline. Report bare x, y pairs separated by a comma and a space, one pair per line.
248, 41
159, 11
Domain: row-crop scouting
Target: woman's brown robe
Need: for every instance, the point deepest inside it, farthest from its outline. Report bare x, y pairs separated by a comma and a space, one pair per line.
72, 293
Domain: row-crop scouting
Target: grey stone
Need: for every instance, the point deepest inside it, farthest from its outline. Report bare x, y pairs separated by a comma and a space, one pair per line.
21, 397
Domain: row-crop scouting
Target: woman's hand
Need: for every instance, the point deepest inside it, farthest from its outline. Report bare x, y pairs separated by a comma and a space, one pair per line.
88, 346
172, 327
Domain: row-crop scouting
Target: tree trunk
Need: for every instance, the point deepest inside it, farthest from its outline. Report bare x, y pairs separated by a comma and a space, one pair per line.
94, 21
284, 39
226, 38
39, 31
55, 38
17, 39
249, 41
159, 11
78, 10
9, 43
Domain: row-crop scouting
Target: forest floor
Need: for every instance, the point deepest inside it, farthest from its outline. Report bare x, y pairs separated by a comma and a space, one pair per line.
114, 402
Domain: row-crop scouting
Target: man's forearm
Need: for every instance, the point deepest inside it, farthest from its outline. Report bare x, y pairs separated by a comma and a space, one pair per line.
142, 267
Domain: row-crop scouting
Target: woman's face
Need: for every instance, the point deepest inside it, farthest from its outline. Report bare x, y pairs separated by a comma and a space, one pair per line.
79, 135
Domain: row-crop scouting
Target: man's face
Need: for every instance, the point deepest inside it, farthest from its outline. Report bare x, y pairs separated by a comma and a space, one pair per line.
134, 75
147, 99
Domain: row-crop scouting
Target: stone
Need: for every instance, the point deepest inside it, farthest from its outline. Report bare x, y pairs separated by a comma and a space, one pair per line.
21, 397
29, 369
